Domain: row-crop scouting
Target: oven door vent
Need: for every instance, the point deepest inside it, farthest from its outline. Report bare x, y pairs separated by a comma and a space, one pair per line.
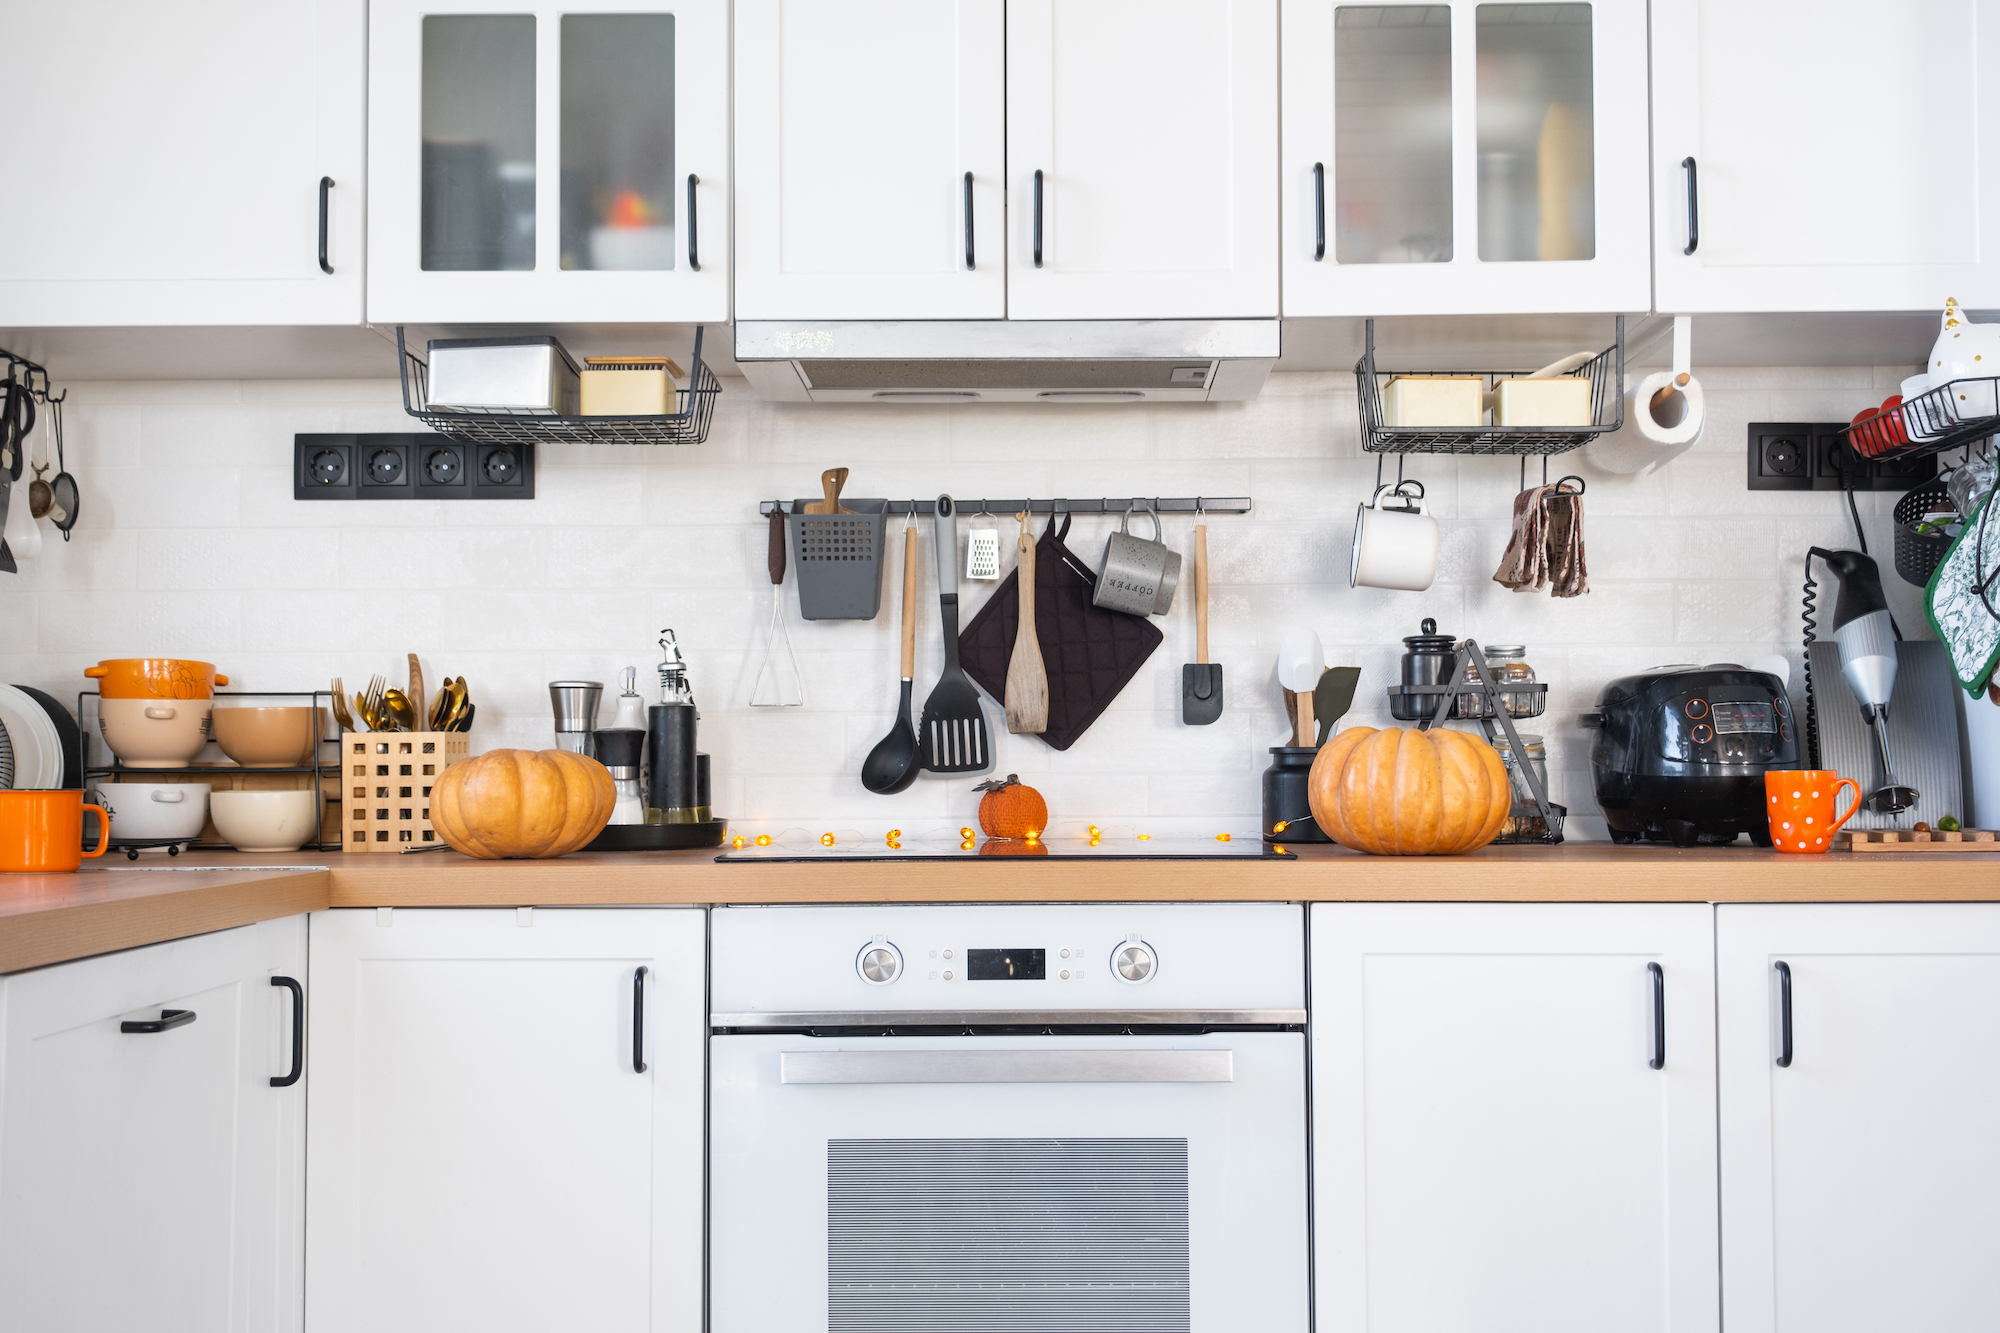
999, 1235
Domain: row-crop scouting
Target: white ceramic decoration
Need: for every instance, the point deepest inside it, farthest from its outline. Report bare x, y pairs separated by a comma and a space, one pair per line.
1966, 351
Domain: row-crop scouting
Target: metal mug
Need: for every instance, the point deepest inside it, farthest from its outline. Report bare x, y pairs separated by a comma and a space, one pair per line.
1395, 541
1138, 576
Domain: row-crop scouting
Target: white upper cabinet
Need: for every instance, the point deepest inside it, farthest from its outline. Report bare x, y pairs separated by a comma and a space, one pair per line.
1860, 1167
168, 160
1842, 154
871, 159
1465, 158
1514, 1117
1142, 150
531, 164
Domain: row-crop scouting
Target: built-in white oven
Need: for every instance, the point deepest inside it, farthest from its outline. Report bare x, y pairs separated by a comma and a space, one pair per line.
993, 1118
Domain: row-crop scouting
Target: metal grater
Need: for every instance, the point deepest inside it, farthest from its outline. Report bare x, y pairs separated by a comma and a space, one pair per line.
982, 553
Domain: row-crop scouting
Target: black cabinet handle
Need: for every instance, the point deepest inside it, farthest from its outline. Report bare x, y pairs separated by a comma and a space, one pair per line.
325, 184
1659, 1060
968, 219
639, 1021
1319, 211
694, 246
1694, 209
1038, 218
1784, 1015
298, 1032
169, 1018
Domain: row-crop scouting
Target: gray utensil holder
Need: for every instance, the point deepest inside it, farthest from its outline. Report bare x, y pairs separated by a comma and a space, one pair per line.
839, 559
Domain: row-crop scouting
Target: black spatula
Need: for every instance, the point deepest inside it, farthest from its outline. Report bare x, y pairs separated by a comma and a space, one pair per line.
1201, 679
953, 736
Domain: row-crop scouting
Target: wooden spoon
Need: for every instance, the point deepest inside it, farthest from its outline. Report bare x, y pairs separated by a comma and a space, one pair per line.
830, 482
1027, 678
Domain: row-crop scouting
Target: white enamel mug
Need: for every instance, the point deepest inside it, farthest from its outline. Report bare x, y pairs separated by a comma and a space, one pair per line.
1395, 540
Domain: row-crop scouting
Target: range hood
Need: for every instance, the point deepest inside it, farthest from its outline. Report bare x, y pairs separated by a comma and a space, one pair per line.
1007, 361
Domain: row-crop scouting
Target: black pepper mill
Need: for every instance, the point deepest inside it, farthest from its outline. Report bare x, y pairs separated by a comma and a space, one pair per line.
675, 795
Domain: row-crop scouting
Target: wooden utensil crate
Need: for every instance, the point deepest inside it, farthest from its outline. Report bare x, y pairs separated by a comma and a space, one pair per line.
385, 785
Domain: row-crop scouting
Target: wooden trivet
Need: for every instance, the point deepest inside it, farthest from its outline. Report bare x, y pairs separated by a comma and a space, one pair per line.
1902, 840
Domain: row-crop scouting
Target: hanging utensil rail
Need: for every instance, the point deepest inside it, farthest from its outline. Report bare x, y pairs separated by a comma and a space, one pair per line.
1200, 504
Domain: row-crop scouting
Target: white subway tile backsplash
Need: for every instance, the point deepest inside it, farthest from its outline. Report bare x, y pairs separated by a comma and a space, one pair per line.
192, 544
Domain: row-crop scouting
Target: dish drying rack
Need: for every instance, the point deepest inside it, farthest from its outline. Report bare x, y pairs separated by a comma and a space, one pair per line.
521, 426
1495, 720
1960, 413
1605, 371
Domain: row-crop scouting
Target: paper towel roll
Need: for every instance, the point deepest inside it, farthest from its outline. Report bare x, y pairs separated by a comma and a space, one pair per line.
1649, 440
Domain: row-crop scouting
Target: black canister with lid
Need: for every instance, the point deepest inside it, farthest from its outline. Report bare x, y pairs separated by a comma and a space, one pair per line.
1288, 813
1428, 658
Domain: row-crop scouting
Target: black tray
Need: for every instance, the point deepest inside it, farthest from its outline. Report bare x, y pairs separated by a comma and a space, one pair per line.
658, 837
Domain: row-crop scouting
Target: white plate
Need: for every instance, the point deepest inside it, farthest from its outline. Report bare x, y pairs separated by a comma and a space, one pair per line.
37, 747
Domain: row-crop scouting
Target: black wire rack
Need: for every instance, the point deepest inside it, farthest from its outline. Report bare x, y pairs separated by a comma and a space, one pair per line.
324, 769
1952, 415
520, 426
1605, 371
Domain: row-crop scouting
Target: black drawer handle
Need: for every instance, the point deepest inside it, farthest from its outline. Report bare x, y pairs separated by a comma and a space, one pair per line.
1659, 1060
694, 247
1038, 218
639, 1021
298, 1031
968, 220
1694, 209
1319, 211
1784, 1015
325, 184
169, 1018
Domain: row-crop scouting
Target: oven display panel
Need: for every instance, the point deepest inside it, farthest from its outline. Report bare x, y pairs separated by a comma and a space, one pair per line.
1006, 964
1742, 718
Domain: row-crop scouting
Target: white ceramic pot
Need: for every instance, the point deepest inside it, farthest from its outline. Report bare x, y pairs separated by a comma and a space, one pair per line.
154, 733
265, 821
1395, 541
154, 811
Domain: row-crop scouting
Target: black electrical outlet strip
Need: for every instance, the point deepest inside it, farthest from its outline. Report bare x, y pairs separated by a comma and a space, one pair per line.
1811, 455
412, 465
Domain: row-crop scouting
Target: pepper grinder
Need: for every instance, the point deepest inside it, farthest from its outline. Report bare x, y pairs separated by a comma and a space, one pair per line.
674, 795
575, 704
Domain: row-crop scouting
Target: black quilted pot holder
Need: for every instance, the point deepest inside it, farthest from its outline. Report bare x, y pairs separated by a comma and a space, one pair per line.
1088, 652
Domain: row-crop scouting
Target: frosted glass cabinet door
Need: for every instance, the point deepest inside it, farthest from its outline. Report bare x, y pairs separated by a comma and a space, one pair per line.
1861, 1180
532, 164
507, 1128
1881, 194
155, 1179
1153, 127
1493, 1147
858, 124
167, 162
1465, 158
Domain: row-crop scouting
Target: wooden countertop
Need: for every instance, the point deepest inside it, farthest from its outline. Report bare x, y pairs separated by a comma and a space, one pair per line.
49, 918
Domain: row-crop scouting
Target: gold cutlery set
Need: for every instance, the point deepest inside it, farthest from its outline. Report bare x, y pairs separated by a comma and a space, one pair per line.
383, 707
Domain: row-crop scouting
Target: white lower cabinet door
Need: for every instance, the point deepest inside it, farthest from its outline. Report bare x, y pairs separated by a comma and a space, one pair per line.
151, 1175
1514, 1117
507, 1120
1860, 1178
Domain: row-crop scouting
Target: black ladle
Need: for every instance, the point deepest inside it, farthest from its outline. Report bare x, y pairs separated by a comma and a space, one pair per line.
892, 764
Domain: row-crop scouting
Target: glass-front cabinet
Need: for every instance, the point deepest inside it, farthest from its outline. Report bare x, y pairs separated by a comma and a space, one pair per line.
530, 164
1465, 157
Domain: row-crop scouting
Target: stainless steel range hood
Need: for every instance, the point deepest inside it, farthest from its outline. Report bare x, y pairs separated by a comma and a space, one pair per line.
1007, 361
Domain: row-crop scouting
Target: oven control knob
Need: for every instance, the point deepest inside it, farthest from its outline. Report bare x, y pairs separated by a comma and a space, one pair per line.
1135, 962
880, 963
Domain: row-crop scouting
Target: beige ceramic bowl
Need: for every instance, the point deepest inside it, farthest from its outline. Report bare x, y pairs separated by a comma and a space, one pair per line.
264, 737
154, 733
265, 821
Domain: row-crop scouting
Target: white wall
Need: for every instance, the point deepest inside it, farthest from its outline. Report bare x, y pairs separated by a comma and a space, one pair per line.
190, 544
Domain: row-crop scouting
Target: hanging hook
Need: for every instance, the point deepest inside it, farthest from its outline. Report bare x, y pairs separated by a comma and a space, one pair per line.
1561, 481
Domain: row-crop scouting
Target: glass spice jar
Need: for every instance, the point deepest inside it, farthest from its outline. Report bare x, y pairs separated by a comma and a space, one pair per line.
1507, 664
1524, 819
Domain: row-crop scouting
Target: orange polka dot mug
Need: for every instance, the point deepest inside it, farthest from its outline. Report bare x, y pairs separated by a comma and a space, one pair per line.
1801, 803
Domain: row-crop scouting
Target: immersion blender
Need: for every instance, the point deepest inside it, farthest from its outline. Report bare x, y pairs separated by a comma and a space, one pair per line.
1867, 641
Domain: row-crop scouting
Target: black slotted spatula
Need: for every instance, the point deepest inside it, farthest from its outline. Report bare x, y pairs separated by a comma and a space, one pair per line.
953, 737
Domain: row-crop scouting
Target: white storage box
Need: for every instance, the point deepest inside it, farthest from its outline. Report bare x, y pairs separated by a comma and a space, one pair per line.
1564, 401
531, 374
1436, 401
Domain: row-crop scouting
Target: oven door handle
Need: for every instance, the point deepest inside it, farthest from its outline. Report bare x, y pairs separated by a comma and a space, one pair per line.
1029, 1066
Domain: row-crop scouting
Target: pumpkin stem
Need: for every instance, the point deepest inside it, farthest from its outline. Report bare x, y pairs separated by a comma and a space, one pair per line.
999, 784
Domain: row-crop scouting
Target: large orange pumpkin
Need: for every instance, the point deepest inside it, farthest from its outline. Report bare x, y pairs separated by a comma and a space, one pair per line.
514, 803
1409, 793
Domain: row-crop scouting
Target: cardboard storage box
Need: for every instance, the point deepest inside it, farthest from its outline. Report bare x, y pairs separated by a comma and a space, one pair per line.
1441, 402
628, 386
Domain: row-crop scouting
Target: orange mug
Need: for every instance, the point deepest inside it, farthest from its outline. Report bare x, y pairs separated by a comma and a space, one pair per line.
1801, 807
41, 832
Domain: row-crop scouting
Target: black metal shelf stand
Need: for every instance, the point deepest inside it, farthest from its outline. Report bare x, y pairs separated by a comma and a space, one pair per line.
322, 768
1605, 371
1495, 722
687, 426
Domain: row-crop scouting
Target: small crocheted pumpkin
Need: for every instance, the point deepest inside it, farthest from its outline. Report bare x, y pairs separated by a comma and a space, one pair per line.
1011, 809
